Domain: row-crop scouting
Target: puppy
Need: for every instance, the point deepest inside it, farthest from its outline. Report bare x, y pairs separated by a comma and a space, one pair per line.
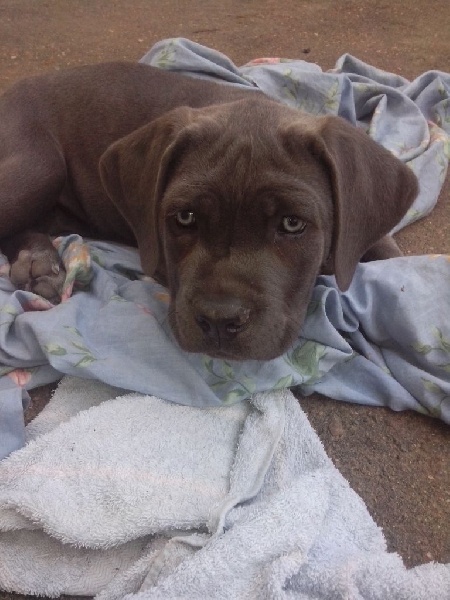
235, 202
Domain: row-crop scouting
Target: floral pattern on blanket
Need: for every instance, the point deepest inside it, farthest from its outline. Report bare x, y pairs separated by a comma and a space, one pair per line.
380, 343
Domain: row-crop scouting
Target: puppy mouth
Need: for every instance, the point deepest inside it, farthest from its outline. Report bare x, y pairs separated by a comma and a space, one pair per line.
231, 352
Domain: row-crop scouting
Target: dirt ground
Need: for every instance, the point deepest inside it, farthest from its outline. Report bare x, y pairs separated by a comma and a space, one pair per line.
398, 462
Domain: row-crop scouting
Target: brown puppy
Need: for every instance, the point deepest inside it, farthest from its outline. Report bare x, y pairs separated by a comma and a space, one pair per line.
236, 202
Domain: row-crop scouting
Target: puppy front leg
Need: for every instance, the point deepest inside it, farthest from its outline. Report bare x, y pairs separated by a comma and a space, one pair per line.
32, 176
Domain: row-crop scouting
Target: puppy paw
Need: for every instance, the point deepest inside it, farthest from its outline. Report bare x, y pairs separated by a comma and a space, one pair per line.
38, 268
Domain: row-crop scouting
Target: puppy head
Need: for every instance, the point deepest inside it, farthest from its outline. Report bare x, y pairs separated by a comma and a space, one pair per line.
233, 207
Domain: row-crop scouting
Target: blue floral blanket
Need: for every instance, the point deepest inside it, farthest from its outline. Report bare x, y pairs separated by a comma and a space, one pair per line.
385, 342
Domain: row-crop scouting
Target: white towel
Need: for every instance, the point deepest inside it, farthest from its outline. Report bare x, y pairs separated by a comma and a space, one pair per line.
142, 497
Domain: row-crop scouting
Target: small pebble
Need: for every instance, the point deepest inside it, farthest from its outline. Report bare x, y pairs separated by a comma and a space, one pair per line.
335, 427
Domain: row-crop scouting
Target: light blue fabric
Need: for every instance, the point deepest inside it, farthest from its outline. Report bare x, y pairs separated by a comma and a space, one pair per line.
386, 341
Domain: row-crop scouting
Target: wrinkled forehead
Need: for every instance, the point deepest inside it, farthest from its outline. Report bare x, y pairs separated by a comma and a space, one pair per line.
246, 154
262, 194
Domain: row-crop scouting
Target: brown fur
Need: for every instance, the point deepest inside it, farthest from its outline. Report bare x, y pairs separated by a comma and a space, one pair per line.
240, 162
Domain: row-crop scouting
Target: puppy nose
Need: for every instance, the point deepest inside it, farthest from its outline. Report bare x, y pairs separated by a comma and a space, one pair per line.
222, 320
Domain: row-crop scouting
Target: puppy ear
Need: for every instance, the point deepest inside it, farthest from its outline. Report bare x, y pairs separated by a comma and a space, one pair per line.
372, 191
134, 172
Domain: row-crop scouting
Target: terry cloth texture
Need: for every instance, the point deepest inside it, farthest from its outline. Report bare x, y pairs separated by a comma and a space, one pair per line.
386, 341
137, 497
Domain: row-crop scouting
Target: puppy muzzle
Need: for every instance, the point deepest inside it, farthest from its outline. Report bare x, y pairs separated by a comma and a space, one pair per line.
221, 320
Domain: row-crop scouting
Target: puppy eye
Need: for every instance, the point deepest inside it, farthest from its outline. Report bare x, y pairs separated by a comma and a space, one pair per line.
292, 224
185, 218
